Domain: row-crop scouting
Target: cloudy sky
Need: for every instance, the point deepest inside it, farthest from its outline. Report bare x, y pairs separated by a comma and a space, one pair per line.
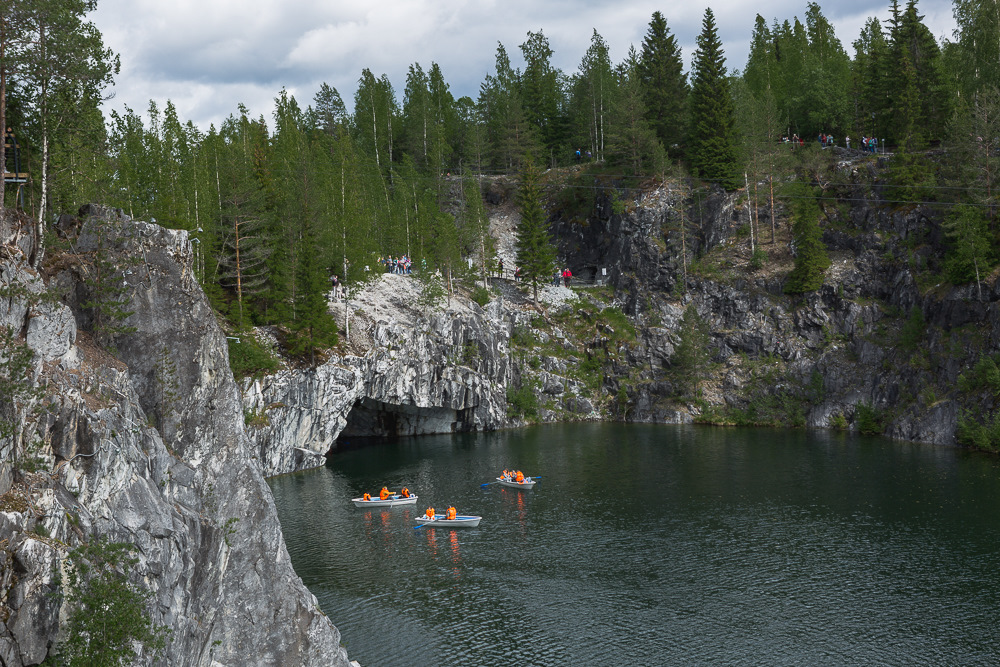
208, 56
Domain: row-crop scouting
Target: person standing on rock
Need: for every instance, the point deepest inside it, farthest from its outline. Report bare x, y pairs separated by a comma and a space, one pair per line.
567, 274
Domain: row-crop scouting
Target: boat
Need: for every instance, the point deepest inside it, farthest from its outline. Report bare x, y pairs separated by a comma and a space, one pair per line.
391, 501
457, 522
526, 484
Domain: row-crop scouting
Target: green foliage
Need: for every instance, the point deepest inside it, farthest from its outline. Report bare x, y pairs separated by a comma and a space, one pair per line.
109, 614
522, 402
16, 362
432, 291
535, 253
984, 376
691, 358
480, 295
811, 259
913, 333
664, 83
712, 138
869, 420
970, 252
985, 435
108, 300
248, 358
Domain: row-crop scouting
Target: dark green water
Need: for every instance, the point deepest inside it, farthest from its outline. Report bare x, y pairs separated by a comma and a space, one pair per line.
657, 545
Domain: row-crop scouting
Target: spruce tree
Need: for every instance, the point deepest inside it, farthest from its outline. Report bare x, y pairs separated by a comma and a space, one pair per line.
691, 358
712, 144
811, 259
664, 83
535, 253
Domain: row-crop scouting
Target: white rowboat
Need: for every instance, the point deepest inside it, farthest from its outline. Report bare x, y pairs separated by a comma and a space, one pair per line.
391, 501
457, 522
526, 484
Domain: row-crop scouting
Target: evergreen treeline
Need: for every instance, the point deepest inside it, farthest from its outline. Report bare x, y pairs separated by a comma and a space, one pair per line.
276, 206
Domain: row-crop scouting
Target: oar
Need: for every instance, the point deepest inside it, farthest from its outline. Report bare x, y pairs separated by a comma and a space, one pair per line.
483, 486
421, 525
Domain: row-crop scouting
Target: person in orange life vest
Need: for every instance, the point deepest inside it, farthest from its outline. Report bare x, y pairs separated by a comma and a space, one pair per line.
430, 513
506, 475
384, 493
405, 492
520, 476
452, 513
366, 496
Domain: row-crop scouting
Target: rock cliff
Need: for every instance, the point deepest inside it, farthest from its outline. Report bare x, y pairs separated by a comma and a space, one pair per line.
407, 369
130, 418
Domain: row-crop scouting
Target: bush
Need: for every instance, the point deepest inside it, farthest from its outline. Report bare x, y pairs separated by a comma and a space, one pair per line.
522, 402
970, 433
912, 334
985, 376
870, 421
480, 295
248, 358
108, 617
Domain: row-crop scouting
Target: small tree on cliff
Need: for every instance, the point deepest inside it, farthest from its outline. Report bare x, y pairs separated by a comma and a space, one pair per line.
811, 260
108, 617
535, 253
691, 357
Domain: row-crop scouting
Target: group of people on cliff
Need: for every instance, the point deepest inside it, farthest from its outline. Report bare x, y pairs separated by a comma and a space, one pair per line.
400, 265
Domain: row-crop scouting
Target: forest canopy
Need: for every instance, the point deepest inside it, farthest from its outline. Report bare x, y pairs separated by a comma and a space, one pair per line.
278, 206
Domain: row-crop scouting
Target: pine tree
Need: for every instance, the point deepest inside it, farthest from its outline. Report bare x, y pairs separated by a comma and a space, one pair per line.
535, 253
664, 84
712, 144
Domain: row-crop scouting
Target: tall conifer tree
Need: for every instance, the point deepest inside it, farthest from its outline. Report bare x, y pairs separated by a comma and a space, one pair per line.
712, 144
664, 83
535, 253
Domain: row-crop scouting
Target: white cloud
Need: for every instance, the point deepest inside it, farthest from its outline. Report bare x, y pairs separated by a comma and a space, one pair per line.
207, 56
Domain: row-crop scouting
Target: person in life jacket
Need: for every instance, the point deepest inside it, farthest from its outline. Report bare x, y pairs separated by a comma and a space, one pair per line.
430, 513
384, 493
366, 496
452, 513
519, 477
405, 492
506, 475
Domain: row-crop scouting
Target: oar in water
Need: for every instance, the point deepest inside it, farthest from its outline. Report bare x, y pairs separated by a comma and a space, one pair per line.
483, 486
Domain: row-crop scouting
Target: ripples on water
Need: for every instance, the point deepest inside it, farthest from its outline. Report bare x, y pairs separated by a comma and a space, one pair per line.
653, 545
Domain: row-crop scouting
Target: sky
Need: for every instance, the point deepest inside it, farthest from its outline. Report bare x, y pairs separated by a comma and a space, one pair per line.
209, 56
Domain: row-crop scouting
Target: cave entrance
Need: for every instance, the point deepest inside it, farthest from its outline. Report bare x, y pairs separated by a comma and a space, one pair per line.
371, 419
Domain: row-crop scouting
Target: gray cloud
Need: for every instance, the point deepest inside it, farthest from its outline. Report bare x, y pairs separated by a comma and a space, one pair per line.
207, 56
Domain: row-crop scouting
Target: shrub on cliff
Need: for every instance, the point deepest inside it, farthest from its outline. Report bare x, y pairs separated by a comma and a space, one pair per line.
108, 620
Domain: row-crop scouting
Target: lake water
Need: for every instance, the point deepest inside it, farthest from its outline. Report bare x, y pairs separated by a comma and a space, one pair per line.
656, 545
